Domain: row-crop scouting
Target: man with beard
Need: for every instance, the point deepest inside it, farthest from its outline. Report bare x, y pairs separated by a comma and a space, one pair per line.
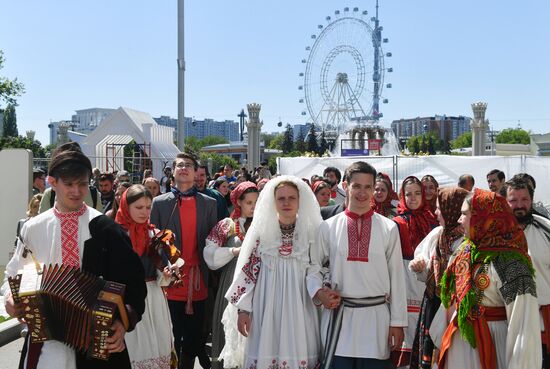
105, 182
519, 195
333, 176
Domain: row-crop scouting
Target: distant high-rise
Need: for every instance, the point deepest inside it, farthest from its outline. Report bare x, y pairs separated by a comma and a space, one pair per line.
86, 120
228, 129
447, 128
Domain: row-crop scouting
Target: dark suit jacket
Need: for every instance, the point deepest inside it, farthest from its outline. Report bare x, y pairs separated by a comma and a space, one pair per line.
206, 220
109, 254
330, 211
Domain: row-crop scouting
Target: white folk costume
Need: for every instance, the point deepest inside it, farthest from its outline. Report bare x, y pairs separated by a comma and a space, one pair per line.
150, 344
537, 233
365, 264
43, 235
270, 282
436, 249
228, 234
218, 253
413, 225
490, 283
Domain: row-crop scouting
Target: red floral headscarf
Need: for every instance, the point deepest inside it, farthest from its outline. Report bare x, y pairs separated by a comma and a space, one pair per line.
493, 226
236, 193
139, 232
494, 231
384, 208
414, 225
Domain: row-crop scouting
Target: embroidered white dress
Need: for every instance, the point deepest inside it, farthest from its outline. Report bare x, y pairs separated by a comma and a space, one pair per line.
284, 333
218, 255
364, 332
150, 343
516, 340
42, 235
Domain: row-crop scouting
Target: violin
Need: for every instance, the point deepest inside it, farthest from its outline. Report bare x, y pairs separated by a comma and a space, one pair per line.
164, 253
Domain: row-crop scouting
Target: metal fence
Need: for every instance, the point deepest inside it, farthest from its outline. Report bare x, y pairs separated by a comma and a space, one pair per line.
446, 169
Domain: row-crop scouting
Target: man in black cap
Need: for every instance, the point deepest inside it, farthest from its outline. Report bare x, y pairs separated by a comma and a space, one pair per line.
77, 235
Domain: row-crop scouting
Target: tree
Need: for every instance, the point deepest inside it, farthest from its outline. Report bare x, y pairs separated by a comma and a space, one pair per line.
10, 122
213, 140
218, 160
513, 136
312, 145
20, 142
277, 142
300, 144
9, 89
323, 144
288, 140
267, 138
413, 145
464, 140
197, 144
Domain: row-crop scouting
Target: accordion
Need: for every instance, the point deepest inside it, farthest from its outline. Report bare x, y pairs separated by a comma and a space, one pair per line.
63, 303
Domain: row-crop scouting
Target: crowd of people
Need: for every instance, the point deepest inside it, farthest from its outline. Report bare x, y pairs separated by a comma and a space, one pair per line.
280, 272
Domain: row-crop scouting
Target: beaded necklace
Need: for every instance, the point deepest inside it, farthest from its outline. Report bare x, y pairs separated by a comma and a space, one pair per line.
287, 231
238, 229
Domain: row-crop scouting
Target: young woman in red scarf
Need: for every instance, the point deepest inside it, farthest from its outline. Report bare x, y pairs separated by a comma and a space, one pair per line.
322, 192
490, 284
414, 220
150, 344
430, 186
385, 198
221, 251
431, 258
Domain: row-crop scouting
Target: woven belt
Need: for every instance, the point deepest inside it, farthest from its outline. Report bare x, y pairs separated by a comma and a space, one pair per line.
335, 324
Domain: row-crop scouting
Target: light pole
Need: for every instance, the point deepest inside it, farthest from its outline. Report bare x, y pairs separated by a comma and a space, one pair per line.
181, 77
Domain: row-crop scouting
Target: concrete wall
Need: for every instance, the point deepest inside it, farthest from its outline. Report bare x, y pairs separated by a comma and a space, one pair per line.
15, 193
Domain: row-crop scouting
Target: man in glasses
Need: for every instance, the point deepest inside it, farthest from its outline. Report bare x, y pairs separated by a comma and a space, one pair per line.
190, 215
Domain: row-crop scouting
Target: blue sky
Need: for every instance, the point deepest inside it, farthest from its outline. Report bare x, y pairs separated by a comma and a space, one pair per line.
446, 54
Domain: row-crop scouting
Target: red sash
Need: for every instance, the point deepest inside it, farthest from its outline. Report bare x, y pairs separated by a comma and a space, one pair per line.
545, 312
485, 344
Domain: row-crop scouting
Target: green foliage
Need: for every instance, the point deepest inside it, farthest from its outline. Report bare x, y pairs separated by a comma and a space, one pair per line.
276, 142
218, 160
513, 136
312, 145
413, 145
426, 143
197, 144
20, 142
464, 140
49, 148
288, 140
300, 144
323, 144
272, 163
9, 89
10, 122
267, 138
128, 154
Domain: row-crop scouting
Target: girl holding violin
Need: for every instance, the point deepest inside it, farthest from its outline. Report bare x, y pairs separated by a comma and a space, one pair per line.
150, 345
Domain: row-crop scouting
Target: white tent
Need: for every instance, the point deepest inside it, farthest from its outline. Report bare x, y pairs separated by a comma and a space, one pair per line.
119, 129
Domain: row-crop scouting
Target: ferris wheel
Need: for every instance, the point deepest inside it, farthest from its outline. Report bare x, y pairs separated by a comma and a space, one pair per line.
344, 71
